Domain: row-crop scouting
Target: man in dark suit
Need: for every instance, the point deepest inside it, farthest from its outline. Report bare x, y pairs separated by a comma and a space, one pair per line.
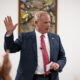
42, 54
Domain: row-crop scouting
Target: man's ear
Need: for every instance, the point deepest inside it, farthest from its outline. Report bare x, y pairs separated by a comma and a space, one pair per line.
35, 22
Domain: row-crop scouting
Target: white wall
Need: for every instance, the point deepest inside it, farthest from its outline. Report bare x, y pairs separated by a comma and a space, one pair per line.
68, 29
9, 8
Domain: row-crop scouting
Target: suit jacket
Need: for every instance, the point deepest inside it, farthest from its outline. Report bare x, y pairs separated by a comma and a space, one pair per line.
28, 60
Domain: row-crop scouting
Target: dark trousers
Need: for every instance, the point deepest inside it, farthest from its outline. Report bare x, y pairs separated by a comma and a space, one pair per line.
42, 77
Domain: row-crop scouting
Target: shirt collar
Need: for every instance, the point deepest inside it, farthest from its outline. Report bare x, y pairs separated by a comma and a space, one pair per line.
39, 34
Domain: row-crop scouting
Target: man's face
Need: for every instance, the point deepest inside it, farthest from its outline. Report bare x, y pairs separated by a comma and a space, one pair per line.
43, 24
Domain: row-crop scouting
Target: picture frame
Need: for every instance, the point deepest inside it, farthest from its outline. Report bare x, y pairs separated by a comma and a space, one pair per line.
27, 9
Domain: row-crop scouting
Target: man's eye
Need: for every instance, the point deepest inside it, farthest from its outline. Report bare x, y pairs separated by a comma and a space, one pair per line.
47, 22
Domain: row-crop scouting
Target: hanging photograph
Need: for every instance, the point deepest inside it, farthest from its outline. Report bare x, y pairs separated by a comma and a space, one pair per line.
27, 10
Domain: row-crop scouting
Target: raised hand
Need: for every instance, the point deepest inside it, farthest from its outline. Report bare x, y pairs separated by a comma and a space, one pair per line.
10, 27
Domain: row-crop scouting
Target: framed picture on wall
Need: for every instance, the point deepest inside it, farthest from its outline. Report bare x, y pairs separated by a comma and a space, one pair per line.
27, 9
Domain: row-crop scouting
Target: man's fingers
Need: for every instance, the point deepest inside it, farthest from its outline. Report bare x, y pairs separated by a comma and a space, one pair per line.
5, 21
15, 26
9, 24
54, 66
9, 19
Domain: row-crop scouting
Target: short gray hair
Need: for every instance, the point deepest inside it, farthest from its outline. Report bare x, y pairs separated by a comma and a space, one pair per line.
39, 14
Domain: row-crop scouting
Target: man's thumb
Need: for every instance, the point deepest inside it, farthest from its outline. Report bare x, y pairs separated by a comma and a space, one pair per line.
15, 26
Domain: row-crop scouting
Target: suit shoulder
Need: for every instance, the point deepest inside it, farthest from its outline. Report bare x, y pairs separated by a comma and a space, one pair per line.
26, 33
53, 35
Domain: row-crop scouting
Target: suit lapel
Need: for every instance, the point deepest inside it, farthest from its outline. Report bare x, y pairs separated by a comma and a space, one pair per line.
51, 41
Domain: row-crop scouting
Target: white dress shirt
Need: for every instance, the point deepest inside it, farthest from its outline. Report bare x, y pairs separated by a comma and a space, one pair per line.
40, 66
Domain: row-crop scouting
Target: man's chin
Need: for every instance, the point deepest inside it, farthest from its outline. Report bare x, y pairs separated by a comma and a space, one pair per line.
47, 30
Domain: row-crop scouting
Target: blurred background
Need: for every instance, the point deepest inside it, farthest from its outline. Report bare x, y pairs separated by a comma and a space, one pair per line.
68, 27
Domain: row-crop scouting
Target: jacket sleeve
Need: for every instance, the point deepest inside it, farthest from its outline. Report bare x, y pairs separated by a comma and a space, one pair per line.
11, 45
61, 56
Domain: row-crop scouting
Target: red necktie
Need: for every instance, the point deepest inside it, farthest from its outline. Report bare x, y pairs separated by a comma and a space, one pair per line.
44, 53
